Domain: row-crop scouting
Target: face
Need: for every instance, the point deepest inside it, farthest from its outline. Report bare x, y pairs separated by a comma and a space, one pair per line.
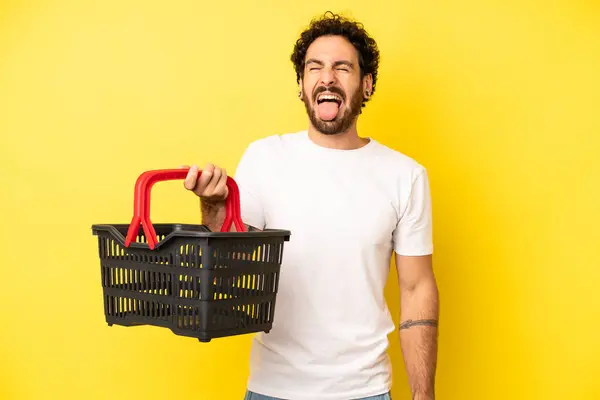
332, 88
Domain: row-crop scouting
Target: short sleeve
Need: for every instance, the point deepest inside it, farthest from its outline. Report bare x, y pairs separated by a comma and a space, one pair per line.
247, 177
413, 233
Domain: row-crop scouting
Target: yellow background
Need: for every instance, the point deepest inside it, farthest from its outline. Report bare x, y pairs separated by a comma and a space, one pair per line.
500, 100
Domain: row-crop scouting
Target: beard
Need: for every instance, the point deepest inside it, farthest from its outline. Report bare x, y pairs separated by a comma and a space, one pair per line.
345, 116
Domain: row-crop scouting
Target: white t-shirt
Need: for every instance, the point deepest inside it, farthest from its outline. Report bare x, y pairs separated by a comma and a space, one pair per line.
347, 210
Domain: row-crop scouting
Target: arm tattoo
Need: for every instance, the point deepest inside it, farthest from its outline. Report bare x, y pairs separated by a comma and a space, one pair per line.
428, 322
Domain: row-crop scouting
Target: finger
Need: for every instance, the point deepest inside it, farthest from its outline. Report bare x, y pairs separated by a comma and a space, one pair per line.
205, 178
222, 189
191, 178
212, 185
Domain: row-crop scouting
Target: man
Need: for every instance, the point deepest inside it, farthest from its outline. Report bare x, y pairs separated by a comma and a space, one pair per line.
350, 203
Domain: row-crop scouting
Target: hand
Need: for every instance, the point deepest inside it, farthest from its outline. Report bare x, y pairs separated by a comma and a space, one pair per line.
211, 186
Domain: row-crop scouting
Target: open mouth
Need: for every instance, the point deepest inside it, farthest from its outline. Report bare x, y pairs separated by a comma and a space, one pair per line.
328, 105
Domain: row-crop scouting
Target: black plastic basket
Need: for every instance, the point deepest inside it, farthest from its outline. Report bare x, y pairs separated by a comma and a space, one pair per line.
186, 278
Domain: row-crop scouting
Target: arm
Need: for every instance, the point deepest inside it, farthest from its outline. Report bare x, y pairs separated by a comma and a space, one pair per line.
413, 245
419, 320
247, 176
213, 215
211, 188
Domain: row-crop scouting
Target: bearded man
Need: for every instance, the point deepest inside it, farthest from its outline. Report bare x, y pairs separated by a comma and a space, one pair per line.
351, 203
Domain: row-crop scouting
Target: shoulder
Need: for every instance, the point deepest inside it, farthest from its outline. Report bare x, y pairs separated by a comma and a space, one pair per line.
401, 166
407, 180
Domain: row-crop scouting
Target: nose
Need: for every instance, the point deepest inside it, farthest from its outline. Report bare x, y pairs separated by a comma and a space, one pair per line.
327, 77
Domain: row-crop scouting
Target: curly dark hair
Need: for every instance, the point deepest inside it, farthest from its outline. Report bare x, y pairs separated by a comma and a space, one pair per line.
353, 31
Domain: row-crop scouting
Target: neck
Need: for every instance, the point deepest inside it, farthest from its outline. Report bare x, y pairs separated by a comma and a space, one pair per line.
348, 140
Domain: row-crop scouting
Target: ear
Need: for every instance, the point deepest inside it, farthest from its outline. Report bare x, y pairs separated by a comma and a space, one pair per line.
300, 90
367, 85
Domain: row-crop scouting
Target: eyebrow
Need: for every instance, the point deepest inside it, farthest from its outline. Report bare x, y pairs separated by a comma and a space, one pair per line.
335, 64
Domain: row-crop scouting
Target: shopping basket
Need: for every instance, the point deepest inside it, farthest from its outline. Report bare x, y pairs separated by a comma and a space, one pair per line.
185, 277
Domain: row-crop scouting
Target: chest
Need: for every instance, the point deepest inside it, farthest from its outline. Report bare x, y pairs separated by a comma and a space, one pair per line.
329, 202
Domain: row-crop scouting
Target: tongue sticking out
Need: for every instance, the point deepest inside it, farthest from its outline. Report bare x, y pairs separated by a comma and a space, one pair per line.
328, 110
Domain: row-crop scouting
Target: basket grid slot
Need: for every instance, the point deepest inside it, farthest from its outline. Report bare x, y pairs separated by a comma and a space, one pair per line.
187, 317
131, 279
243, 315
226, 317
189, 256
122, 307
112, 250
243, 286
238, 253
189, 287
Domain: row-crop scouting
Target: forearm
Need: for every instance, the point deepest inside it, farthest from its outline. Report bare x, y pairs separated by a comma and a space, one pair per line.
418, 337
213, 216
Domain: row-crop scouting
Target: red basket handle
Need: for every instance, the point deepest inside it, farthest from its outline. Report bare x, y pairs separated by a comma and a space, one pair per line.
141, 206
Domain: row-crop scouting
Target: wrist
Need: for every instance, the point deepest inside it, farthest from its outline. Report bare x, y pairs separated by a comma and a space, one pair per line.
420, 395
211, 205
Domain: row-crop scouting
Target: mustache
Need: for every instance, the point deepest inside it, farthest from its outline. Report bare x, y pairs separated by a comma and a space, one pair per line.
330, 89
